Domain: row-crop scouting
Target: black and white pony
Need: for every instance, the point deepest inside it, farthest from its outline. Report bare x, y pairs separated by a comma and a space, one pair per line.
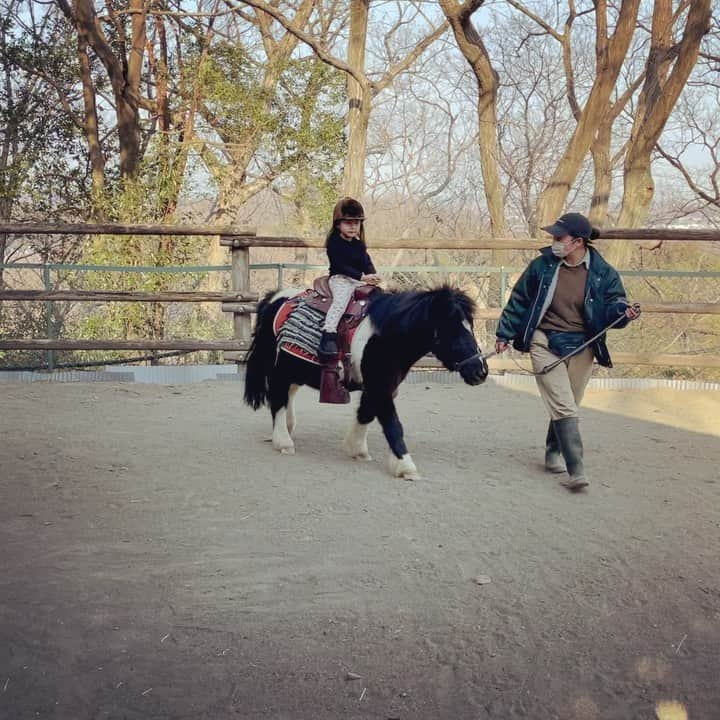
400, 328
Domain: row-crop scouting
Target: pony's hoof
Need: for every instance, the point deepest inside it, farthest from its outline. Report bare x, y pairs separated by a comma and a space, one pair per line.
364, 456
404, 468
287, 450
356, 450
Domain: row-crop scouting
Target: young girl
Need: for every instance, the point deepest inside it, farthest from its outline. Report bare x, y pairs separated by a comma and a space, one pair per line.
350, 266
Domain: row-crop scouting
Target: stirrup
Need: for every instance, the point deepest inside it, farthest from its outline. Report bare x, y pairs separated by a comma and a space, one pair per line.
332, 389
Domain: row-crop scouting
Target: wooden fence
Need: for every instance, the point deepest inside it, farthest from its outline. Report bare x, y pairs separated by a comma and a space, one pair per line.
241, 301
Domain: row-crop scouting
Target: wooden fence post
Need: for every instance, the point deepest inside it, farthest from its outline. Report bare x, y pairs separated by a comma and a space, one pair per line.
50, 355
239, 283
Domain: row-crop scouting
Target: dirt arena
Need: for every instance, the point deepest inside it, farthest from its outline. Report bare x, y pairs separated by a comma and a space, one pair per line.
160, 561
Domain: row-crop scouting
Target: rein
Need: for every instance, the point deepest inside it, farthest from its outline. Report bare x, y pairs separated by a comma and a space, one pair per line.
578, 349
479, 355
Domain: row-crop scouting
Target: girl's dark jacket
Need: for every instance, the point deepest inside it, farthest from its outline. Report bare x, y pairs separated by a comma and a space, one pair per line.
604, 302
348, 258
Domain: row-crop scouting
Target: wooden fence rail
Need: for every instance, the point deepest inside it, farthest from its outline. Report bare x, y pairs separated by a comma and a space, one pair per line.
126, 296
247, 236
247, 302
241, 300
135, 344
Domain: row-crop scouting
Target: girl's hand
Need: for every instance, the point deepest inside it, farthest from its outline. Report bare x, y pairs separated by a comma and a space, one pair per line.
371, 279
500, 345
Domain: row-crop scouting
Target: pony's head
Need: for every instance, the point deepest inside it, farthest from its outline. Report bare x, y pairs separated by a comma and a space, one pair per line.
454, 343
443, 318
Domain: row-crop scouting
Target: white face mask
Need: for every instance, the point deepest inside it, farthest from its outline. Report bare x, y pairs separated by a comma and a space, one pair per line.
560, 249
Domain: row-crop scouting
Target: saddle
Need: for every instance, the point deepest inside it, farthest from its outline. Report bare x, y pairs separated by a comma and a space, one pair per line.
298, 326
320, 298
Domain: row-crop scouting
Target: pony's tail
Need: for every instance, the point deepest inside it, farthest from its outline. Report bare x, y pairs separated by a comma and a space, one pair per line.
261, 357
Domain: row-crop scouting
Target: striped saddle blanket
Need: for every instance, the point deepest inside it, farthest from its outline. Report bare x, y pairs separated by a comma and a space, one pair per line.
299, 321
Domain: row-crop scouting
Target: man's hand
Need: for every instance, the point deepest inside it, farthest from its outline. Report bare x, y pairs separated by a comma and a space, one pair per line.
632, 312
500, 345
371, 279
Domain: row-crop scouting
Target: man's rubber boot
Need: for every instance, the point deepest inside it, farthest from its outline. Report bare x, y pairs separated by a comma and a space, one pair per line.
554, 462
567, 431
328, 348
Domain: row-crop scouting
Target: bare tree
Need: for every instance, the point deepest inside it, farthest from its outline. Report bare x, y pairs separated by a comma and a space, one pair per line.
459, 16
362, 89
669, 65
420, 159
122, 57
533, 119
691, 141
610, 52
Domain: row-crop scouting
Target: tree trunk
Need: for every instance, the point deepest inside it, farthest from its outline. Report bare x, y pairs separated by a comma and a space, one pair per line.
473, 49
129, 100
609, 56
92, 137
354, 179
660, 92
487, 140
9, 142
3, 249
359, 102
124, 74
602, 169
637, 194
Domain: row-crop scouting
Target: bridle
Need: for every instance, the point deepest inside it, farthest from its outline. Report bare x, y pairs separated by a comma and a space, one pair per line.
461, 363
475, 356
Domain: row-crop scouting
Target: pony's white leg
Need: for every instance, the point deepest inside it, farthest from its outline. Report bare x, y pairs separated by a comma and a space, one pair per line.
403, 467
360, 339
291, 418
281, 439
355, 443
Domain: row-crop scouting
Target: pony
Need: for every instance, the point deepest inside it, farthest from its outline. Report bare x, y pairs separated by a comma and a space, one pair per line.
399, 329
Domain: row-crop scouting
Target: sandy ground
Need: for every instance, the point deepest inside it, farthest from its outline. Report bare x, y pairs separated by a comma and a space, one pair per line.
160, 560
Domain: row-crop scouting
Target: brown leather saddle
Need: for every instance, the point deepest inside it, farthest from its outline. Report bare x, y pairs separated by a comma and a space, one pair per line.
357, 309
336, 377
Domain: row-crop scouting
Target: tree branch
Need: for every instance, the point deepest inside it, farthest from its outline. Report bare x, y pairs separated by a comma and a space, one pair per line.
675, 162
409, 59
468, 8
537, 19
308, 39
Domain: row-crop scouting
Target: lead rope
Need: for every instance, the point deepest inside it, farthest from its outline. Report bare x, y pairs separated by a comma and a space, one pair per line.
579, 349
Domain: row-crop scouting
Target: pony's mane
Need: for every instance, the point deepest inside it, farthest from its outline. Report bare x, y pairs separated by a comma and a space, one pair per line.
405, 311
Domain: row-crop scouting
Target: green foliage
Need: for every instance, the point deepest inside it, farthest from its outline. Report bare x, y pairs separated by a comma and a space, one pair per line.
44, 173
233, 91
139, 200
286, 122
